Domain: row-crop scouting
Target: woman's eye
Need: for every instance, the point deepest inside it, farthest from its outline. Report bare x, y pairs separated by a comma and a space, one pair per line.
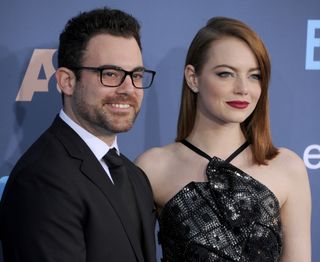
256, 76
224, 74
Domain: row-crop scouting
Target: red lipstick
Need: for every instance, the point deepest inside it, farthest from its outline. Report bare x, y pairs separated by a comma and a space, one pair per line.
238, 104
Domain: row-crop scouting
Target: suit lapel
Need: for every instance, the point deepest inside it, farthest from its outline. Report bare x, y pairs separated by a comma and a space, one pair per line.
101, 180
147, 214
92, 169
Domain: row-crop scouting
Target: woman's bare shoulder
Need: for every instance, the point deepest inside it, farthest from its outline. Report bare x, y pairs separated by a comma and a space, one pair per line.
289, 162
288, 168
157, 158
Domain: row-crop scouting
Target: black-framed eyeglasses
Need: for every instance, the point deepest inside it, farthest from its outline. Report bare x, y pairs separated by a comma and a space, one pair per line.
112, 76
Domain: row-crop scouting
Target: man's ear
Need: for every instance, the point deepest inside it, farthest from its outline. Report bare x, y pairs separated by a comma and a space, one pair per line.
66, 80
191, 78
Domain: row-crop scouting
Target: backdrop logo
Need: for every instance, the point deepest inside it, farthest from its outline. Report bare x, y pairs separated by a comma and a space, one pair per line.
311, 156
38, 74
313, 45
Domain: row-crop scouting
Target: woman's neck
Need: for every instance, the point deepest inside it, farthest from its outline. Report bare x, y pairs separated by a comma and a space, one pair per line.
215, 139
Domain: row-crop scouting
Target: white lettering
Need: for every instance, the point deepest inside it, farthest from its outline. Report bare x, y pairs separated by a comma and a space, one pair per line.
315, 156
312, 44
41, 61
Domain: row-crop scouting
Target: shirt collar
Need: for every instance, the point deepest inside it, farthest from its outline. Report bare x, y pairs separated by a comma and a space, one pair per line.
97, 146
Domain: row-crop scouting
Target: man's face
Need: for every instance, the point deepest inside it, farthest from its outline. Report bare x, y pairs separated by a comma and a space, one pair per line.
107, 110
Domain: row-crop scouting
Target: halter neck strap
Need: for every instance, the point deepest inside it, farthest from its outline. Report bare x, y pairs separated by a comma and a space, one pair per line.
205, 155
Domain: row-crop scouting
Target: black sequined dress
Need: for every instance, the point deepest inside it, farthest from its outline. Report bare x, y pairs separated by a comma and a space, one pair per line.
232, 217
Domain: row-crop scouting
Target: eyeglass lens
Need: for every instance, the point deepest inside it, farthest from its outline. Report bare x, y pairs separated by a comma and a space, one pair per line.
115, 77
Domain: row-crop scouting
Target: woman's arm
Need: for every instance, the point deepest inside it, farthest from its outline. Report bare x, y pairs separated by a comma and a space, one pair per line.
296, 212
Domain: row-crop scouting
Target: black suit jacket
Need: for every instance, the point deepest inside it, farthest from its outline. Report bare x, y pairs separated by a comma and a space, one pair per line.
60, 205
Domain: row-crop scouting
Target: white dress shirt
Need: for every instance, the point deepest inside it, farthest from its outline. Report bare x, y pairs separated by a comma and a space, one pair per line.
97, 146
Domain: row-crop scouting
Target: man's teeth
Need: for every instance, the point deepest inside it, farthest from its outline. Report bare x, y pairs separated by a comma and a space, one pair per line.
121, 105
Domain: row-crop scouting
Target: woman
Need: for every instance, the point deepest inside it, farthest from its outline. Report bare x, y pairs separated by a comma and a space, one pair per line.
224, 192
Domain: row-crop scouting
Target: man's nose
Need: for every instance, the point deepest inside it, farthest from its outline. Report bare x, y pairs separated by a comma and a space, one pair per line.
126, 86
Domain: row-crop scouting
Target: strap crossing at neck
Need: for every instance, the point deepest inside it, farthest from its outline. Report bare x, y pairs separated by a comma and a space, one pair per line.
205, 155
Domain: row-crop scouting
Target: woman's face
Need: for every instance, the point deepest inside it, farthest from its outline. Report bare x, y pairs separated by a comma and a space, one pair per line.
229, 84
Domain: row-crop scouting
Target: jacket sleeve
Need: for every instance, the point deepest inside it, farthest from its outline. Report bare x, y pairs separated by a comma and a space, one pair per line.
41, 219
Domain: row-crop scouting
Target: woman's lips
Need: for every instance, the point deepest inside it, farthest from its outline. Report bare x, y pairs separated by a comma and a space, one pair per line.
238, 104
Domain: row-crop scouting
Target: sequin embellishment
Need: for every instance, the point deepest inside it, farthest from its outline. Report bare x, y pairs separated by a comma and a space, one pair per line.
232, 217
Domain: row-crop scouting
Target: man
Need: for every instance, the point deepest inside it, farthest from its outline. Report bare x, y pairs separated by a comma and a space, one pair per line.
64, 200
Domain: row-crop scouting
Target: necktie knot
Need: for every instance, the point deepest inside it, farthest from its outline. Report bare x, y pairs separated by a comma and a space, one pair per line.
112, 159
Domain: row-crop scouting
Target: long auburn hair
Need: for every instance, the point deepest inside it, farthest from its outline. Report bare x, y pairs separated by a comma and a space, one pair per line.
256, 128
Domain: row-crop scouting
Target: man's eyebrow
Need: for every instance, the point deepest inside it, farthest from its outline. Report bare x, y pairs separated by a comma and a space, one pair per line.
108, 66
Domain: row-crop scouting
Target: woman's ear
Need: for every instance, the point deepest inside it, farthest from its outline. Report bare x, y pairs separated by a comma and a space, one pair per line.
66, 80
191, 78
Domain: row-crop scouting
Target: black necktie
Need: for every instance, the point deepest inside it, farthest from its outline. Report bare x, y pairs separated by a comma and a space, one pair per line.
114, 163
123, 187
